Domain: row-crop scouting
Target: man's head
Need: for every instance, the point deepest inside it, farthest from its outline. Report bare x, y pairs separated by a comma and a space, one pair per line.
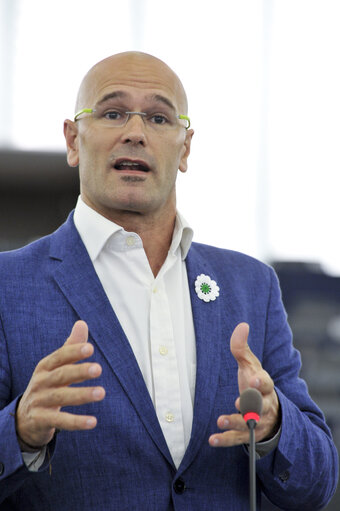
132, 167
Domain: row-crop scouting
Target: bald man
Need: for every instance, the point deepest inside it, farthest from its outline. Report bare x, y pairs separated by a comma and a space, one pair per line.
125, 346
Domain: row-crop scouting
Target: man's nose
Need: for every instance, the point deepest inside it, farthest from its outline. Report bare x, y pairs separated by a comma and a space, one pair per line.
134, 129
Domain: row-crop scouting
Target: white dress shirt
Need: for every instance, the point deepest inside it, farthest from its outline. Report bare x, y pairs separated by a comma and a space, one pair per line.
154, 312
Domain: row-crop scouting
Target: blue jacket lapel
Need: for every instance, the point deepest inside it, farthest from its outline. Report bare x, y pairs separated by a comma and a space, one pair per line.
77, 279
207, 321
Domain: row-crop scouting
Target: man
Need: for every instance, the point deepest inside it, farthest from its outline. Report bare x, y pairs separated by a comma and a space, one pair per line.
158, 311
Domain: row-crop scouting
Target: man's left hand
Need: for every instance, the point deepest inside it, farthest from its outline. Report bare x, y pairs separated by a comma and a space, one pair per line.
250, 374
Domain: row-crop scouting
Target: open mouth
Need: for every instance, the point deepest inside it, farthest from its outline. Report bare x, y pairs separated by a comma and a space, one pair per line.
134, 165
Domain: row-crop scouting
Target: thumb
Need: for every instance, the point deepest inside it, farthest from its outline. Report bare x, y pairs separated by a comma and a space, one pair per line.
79, 333
239, 345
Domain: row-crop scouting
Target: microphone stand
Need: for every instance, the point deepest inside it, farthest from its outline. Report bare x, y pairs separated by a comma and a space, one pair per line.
251, 423
251, 407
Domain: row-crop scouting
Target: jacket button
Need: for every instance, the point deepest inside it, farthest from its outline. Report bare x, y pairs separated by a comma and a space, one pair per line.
2, 468
284, 476
179, 486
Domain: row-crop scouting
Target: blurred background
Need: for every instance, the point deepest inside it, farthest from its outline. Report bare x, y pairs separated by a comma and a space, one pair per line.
263, 82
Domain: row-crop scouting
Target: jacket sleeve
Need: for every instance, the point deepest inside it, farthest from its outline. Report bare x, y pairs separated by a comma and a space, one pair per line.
302, 472
13, 471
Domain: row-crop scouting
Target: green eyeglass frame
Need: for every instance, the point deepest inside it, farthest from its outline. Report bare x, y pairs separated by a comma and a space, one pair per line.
91, 110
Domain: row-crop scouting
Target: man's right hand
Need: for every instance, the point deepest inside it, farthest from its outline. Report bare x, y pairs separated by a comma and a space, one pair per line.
39, 411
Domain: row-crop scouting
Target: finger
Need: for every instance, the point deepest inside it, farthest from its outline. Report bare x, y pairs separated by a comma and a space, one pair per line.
70, 422
229, 438
72, 373
240, 349
49, 421
79, 333
236, 433
237, 422
234, 437
69, 396
262, 382
67, 354
233, 421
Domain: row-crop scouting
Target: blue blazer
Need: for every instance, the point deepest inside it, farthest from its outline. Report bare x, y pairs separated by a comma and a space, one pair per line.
124, 463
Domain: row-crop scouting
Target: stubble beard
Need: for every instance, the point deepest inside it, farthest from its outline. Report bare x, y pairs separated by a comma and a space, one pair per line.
132, 179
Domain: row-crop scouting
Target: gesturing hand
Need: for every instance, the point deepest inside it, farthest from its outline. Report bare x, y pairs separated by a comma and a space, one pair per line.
250, 374
39, 410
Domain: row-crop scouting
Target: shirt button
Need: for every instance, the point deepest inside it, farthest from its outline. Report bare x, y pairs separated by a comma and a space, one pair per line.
163, 350
169, 417
130, 241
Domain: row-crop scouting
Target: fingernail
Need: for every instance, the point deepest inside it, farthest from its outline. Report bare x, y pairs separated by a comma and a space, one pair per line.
85, 350
216, 441
225, 423
91, 422
257, 382
97, 393
93, 370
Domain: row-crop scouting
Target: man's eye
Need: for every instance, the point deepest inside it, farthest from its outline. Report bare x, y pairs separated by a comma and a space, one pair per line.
158, 119
113, 115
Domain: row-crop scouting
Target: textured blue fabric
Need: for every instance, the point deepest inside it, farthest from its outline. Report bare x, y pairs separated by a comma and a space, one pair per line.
124, 463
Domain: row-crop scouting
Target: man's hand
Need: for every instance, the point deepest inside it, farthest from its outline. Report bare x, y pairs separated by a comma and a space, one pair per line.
250, 374
38, 413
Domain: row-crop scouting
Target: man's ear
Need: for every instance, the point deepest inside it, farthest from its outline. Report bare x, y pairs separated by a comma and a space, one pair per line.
71, 136
183, 166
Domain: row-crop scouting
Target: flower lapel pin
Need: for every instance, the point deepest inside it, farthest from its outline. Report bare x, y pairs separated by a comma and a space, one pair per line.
206, 289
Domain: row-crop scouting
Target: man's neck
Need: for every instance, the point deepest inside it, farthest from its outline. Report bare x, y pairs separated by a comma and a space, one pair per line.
156, 242
155, 230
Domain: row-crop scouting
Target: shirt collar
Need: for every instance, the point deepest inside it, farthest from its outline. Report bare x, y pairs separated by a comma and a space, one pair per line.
95, 230
182, 236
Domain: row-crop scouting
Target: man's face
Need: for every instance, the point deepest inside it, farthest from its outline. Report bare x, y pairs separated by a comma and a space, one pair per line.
131, 168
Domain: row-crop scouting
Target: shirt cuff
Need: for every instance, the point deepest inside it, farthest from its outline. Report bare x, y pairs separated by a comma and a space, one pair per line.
34, 460
264, 448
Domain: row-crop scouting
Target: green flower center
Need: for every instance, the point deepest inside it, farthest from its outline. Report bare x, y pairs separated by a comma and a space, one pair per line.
205, 288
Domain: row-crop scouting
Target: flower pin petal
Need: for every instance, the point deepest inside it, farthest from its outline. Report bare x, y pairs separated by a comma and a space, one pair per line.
206, 288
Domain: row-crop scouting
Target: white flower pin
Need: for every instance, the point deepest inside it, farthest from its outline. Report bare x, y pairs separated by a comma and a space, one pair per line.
206, 289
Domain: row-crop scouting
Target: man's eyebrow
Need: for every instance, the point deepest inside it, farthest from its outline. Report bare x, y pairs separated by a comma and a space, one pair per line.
112, 95
162, 99
122, 94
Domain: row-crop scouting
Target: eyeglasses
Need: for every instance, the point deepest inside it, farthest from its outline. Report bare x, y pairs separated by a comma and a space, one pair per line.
115, 118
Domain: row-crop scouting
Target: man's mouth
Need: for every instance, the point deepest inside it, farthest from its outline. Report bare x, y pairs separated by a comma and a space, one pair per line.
134, 165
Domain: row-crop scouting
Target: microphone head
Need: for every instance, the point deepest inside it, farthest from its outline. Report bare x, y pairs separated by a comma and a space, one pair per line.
251, 404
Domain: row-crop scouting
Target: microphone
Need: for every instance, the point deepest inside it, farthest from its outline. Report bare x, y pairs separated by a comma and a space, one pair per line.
251, 408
